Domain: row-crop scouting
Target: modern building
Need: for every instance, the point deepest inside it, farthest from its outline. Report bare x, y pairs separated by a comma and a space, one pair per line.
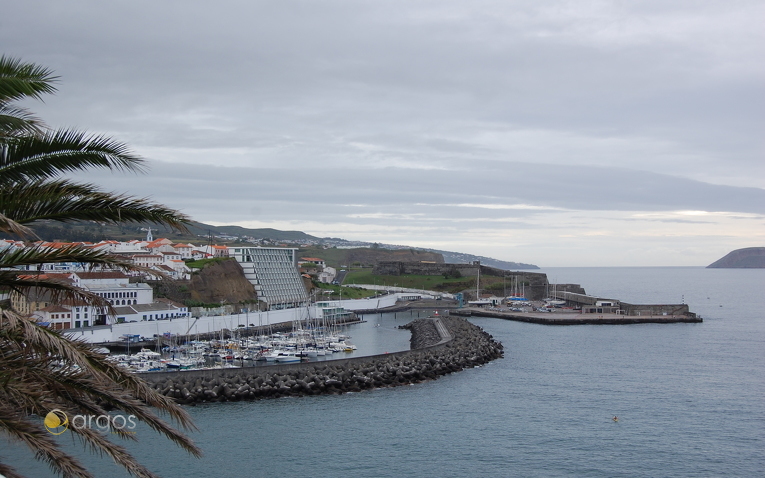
273, 271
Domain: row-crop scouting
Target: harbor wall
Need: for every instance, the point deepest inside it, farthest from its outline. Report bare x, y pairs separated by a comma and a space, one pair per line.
564, 318
183, 326
672, 310
209, 324
444, 345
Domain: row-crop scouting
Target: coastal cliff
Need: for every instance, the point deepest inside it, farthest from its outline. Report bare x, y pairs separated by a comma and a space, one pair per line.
747, 258
219, 281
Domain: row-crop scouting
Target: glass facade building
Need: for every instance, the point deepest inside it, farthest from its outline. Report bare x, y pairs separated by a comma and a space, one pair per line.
274, 273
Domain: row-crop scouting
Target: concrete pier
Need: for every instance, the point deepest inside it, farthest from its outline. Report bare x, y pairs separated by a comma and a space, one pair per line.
570, 317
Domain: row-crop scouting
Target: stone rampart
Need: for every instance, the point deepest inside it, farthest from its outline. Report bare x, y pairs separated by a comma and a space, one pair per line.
397, 268
675, 310
446, 345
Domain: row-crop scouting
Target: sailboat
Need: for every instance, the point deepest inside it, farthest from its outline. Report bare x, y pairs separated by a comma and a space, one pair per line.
553, 301
519, 295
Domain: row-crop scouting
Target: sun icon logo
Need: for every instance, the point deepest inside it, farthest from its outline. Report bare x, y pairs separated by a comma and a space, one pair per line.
56, 422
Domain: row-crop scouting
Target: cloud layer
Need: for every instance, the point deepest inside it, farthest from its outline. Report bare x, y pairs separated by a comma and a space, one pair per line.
563, 133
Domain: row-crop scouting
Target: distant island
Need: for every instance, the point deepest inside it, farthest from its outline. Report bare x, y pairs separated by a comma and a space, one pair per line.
747, 258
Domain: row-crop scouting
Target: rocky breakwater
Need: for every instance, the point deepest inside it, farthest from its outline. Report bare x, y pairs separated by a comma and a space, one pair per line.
440, 346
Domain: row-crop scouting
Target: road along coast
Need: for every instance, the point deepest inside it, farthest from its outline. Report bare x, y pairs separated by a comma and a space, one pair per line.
440, 345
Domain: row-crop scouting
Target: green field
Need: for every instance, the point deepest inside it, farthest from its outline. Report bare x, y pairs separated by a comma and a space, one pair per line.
489, 284
333, 292
437, 283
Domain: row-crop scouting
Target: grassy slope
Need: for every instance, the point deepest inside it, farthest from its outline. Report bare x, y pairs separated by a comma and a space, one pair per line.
438, 283
347, 292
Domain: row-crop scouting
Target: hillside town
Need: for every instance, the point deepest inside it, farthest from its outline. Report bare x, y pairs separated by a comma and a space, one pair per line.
132, 299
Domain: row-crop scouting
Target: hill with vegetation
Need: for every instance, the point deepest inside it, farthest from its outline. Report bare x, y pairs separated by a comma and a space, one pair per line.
337, 252
747, 258
92, 231
367, 256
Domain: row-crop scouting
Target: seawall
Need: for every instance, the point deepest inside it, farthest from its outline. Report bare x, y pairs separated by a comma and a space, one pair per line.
439, 346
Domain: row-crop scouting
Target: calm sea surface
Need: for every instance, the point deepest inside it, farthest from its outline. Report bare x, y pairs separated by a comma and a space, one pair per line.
690, 400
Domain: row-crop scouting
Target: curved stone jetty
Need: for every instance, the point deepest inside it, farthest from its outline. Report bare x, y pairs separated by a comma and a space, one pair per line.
439, 346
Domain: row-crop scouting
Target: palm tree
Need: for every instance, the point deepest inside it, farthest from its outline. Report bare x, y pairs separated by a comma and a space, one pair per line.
41, 370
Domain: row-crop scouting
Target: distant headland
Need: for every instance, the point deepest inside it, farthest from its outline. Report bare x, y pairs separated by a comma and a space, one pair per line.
747, 258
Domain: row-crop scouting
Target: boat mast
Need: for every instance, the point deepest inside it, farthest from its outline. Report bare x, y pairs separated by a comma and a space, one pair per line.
478, 282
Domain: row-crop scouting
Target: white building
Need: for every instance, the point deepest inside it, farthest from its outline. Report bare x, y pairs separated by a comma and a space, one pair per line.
162, 309
115, 287
147, 260
184, 250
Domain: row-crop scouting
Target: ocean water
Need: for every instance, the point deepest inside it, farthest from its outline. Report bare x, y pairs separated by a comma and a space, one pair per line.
690, 400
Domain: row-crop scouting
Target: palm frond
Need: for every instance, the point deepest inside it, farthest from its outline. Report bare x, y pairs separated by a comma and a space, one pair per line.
55, 152
65, 201
82, 382
10, 226
16, 121
20, 80
9, 472
42, 369
19, 427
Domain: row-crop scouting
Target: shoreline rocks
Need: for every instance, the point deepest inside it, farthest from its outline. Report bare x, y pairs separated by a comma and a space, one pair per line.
439, 346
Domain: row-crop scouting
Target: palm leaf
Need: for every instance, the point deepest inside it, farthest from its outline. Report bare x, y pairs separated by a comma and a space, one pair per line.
86, 382
55, 152
10, 226
23, 429
41, 369
16, 121
20, 80
65, 201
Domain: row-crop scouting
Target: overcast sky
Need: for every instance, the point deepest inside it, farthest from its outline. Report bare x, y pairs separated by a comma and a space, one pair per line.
581, 133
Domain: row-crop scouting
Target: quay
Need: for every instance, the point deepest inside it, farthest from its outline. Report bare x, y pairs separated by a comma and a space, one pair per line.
573, 317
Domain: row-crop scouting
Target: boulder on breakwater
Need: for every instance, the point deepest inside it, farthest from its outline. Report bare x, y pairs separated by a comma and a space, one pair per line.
439, 346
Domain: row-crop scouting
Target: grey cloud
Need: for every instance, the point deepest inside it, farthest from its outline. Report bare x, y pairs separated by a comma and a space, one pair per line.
585, 106
315, 192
